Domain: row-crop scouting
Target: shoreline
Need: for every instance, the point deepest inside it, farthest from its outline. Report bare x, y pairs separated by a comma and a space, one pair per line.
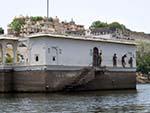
142, 78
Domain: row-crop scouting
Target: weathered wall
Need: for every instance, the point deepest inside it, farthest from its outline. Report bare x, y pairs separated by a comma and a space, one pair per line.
112, 80
29, 81
6, 80
47, 81
2, 82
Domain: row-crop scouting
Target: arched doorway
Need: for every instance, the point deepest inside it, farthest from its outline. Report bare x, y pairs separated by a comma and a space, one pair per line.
9, 57
95, 56
22, 53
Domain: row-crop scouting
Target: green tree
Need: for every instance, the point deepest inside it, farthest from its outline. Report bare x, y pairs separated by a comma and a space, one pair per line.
9, 59
143, 57
117, 25
1, 30
98, 24
113, 25
16, 25
36, 18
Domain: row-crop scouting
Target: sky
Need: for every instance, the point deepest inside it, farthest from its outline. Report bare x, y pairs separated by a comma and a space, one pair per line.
134, 14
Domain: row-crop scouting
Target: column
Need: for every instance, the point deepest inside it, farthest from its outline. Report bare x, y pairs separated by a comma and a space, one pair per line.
15, 52
3, 53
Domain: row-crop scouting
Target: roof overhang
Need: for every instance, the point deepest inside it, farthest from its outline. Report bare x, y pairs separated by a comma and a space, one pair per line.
125, 42
8, 38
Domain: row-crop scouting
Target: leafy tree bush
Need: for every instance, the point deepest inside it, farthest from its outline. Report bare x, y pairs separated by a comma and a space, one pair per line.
113, 25
143, 57
117, 25
9, 59
1, 30
36, 18
16, 25
98, 24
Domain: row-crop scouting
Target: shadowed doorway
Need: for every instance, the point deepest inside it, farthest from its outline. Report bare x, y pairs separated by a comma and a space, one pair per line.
95, 56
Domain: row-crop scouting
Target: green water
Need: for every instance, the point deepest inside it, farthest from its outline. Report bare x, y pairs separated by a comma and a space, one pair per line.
82, 102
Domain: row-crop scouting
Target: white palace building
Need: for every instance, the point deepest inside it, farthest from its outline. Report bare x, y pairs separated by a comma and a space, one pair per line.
51, 52
48, 49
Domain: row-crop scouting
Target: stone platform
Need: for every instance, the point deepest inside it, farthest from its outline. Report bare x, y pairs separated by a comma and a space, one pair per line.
56, 78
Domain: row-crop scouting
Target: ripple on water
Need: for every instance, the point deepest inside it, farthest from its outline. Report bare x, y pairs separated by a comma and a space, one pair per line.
128, 101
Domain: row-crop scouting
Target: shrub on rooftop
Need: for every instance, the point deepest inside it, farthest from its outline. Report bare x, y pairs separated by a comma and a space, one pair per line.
113, 25
36, 18
16, 25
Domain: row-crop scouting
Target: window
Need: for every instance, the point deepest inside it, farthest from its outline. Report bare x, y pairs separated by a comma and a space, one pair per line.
54, 58
48, 50
60, 51
36, 58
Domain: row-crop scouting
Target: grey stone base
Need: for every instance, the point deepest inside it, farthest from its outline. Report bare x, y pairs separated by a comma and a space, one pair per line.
56, 80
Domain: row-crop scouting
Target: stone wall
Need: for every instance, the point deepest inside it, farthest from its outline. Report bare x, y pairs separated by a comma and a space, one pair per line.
6, 81
48, 81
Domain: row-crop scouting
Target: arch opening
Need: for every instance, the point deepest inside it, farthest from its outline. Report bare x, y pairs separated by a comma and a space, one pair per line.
9, 56
95, 56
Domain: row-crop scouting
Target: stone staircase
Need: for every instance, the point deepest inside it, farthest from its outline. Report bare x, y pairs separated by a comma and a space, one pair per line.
83, 77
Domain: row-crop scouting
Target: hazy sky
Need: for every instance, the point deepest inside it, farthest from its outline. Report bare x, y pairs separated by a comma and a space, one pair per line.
135, 14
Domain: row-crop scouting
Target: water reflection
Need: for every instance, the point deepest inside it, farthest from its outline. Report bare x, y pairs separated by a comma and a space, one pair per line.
79, 102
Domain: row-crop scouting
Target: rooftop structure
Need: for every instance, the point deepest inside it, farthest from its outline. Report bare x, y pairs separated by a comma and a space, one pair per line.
46, 25
92, 38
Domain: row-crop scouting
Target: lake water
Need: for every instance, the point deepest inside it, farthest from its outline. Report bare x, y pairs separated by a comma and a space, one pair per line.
82, 102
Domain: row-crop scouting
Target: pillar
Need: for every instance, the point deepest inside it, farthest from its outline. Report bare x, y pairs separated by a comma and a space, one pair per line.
15, 53
3, 53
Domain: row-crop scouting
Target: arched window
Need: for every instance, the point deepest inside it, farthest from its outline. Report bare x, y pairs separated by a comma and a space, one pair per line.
36, 58
9, 56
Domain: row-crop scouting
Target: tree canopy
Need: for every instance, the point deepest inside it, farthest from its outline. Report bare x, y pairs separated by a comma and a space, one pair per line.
113, 25
116, 25
143, 57
16, 24
99, 24
36, 18
1, 30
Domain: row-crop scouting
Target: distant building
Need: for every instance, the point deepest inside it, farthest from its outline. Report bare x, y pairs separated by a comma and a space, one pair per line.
55, 26
44, 25
110, 33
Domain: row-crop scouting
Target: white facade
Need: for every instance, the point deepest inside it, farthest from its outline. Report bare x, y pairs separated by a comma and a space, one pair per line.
55, 50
